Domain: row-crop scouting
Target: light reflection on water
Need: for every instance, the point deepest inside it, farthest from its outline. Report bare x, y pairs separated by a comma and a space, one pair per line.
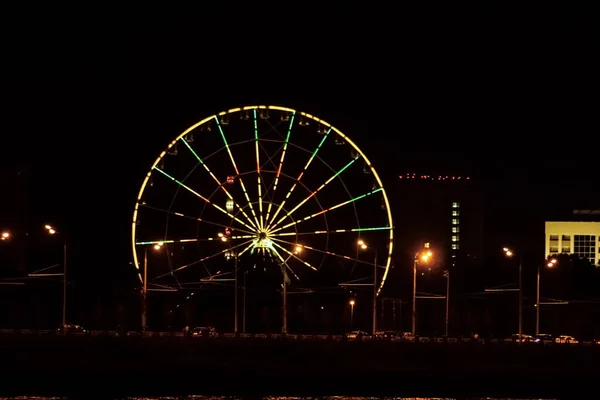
266, 398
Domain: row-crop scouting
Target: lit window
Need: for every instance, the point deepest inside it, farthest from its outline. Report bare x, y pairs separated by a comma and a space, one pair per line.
455, 204
454, 221
455, 213
455, 238
454, 246
455, 229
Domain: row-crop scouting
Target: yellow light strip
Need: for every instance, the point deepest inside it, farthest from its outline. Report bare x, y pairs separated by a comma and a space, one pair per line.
310, 196
294, 256
203, 198
260, 206
237, 172
285, 145
202, 260
216, 180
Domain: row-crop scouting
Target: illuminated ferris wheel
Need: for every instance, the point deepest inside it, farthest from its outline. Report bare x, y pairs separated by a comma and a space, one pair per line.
268, 182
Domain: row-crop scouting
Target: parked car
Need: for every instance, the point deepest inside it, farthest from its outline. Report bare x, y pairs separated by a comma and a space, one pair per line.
387, 335
566, 339
544, 338
355, 335
71, 329
203, 331
516, 338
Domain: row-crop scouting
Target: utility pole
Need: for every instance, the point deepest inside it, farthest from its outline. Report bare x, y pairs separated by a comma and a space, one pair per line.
414, 299
520, 296
447, 275
375, 294
64, 305
284, 300
537, 304
235, 307
145, 292
244, 305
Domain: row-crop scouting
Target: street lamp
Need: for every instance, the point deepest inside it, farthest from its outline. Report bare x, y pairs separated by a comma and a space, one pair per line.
550, 264
509, 253
425, 256
157, 246
351, 302
5, 235
297, 250
53, 231
363, 245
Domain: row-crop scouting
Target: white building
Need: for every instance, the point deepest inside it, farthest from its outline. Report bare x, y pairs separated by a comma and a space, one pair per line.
579, 238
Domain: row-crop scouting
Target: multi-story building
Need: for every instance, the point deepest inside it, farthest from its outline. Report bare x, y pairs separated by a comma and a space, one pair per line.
580, 238
446, 211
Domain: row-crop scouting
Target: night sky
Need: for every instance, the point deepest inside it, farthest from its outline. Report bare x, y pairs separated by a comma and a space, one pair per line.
90, 97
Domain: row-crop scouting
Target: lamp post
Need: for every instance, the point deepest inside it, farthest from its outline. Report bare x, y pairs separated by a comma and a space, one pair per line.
447, 276
144, 317
236, 305
53, 231
284, 266
351, 302
509, 253
551, 263
364, 246
424, 256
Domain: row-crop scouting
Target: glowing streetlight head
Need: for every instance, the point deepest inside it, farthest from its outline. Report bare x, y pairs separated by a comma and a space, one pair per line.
552, 262
429, 254
223, 239
48, 227
351, 302
220, 234
507, 251
363, 246
425, 257
157, 246
360, 242
51, 231
5, 235
298, 249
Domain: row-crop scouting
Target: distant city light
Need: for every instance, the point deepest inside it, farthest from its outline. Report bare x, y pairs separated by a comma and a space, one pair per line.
414, 176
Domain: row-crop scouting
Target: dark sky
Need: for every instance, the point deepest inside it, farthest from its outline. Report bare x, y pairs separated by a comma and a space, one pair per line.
91, 96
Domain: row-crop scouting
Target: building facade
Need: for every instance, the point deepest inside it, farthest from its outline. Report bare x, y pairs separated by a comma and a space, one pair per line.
446, 211
580, 238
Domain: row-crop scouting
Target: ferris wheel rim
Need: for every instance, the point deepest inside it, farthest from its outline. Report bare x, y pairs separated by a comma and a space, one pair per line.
139, 202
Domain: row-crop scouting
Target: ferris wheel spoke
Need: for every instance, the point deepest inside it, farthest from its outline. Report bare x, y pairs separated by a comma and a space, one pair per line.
362, 196
325, 252
208, 239
273, 223
276, 181
260, 205
178, 214
379, 228
237, 172
245, 249
291, 254
219, 183
203, 259
311, 158
183, 185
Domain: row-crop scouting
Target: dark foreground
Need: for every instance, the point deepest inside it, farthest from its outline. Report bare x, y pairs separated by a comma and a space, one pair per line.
167, 366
